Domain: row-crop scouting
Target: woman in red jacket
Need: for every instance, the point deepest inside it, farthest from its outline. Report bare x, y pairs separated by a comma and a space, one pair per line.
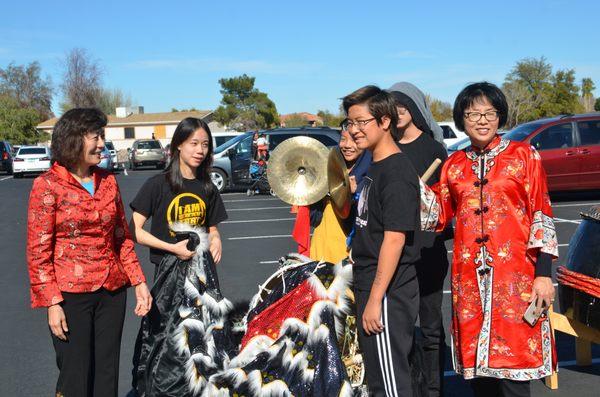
81, 257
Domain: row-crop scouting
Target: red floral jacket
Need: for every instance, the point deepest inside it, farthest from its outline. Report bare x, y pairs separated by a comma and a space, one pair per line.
77, 242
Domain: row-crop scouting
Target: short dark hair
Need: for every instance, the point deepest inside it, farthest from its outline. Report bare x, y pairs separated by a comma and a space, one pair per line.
475, 91
68, 133
379, 102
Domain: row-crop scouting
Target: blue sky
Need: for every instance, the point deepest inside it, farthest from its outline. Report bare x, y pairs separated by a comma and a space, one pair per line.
304, 54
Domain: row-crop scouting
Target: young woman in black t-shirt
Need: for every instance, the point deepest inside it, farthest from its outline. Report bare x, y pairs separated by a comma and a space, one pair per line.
183, 194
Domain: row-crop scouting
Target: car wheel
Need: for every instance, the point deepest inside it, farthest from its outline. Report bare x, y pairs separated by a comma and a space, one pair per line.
219, 179
16, 176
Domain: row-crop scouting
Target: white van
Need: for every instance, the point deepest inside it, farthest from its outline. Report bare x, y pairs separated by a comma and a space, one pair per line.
220, 138
451, 133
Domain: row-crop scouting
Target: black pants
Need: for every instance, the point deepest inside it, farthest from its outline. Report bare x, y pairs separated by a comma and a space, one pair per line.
431, 272
89, 360
492, 387
386, 355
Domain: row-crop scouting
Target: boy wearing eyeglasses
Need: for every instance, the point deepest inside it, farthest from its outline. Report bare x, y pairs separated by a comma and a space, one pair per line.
385, 283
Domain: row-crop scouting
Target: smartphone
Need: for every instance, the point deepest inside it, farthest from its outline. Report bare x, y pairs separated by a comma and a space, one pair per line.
530, 317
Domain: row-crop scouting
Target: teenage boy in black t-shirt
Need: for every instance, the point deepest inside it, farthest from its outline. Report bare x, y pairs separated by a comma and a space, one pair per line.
416, 127
385, 284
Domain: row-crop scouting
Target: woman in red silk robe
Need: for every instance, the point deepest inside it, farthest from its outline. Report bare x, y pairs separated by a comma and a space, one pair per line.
503, 249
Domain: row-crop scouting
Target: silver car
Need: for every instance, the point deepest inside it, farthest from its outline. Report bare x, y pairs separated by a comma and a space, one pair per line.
146, 152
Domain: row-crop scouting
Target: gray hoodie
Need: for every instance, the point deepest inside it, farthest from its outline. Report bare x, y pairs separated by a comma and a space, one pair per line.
419, 99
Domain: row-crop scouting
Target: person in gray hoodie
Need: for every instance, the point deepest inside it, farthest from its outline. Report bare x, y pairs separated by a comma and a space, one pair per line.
421, 140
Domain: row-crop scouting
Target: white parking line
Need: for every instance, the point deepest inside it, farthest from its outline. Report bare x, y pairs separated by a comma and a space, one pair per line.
259, 237
267, 262
572, 205
249, 199
261, 220
560, 220
259, 208
5, 178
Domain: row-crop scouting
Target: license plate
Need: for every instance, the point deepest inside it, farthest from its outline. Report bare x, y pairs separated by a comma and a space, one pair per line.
31, 160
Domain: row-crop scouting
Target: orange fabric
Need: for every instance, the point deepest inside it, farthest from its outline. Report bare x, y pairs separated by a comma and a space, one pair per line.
77, 242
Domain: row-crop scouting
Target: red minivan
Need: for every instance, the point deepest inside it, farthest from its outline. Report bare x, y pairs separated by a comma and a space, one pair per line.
570, 149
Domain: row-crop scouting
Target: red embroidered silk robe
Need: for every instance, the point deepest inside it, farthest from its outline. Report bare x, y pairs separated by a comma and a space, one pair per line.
503, 219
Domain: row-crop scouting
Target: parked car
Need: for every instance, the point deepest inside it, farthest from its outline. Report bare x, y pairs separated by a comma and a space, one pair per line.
451, 133
113, 153
463, 143
220, 138
569, 147
106, 160
231, 161
147, 152
31, 159
6, 157
458, 145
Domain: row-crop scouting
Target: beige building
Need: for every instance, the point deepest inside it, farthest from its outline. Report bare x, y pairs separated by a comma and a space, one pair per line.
132, 123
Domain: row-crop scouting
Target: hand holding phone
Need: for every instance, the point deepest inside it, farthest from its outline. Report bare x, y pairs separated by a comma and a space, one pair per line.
530, 316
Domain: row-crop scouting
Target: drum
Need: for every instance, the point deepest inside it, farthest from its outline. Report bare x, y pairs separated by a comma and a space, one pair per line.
579, 281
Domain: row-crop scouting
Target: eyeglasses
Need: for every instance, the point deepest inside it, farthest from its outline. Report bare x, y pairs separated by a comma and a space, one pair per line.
476, 116
360, 124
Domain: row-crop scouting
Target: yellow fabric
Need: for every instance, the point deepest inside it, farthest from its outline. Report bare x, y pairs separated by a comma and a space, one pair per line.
328, 241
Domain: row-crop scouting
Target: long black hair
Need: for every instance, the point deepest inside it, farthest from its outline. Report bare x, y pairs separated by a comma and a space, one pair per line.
184, 130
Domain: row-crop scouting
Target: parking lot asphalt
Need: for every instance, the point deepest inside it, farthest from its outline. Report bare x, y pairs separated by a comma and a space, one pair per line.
256, 234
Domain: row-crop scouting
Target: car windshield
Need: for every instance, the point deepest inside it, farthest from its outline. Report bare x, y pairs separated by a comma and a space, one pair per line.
521, 132
149, 145
459, 145
32, 150
109, 145
229, 143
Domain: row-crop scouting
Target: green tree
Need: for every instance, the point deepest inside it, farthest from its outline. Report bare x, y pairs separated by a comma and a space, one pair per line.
563, 97
527, 86
17, 123
330, 119
295, 120
244, 107
587, 96
25, 84
597, 105
440, 110
534, 91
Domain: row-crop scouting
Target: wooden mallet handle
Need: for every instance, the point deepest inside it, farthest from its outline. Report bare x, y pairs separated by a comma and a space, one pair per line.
436, 163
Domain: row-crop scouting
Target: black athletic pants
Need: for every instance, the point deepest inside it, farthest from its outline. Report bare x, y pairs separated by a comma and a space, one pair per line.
492, 387
89, 360
386, 355
431, 272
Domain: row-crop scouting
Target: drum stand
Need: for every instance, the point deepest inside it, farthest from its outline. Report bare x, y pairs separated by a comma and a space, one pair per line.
584, 337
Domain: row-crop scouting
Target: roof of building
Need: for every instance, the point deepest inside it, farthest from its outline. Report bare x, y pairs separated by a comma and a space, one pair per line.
141, 119
305, 115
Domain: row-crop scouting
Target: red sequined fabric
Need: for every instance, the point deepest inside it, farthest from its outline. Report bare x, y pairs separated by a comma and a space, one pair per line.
296, 303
